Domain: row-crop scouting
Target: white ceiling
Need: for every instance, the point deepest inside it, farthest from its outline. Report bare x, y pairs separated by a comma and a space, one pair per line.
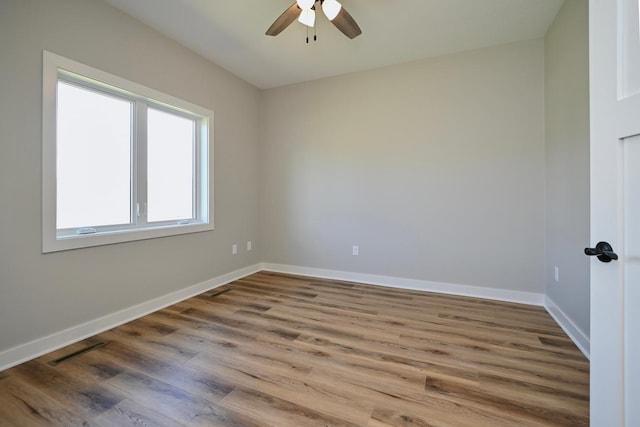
231, 33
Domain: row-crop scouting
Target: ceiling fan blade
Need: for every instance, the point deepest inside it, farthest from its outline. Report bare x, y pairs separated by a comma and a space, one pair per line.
284, 20
347, 24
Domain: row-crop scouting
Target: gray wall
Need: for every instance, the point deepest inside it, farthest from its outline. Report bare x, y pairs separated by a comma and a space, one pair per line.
435, 168
567, 161
41, 294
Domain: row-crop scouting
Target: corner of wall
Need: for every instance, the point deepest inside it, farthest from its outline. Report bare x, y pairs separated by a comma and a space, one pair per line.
579, 338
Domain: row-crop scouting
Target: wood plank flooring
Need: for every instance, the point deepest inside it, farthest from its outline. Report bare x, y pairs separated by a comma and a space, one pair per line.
281, 350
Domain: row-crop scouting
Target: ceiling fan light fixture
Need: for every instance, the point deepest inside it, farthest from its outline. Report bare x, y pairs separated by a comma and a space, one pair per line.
305, 4
331, 8
334, 11
307, 17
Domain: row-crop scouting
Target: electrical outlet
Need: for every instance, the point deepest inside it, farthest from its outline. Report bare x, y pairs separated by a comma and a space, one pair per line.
356, 250
234, 249
556, 273
249, 245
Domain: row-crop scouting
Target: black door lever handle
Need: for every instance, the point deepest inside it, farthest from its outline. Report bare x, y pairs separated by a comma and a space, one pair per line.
603, 251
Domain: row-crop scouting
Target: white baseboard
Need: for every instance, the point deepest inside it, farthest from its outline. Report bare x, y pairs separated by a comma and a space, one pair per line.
38, 347
579, 338
530, 298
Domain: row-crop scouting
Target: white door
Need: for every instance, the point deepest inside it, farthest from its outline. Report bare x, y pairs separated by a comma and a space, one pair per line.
614, 38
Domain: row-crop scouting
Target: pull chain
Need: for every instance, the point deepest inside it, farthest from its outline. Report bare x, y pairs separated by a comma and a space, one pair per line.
315, 36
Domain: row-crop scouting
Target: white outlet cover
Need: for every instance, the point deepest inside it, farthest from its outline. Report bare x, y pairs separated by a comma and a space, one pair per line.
249, 245
234, 250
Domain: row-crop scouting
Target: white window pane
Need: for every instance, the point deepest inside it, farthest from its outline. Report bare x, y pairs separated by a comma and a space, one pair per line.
93, 166
170, 166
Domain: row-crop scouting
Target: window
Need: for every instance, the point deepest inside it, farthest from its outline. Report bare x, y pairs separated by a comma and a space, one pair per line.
121, 162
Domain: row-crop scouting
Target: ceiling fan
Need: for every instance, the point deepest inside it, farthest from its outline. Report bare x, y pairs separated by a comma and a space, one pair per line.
304, 11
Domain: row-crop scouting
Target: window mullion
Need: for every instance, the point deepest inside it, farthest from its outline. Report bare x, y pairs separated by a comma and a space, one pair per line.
140, 171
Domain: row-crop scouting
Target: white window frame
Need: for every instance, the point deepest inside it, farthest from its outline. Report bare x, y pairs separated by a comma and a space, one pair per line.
57, 68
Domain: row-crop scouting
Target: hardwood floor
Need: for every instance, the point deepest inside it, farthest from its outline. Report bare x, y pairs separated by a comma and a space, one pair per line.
280, 350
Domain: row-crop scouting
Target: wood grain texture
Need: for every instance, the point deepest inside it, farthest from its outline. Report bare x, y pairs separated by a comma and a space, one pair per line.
282, 350
345, 23
284, 20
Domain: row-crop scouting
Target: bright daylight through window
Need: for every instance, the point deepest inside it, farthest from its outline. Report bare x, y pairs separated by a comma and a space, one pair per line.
121, 162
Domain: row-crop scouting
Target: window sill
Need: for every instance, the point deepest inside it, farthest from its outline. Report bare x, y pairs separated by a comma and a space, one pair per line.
64, 243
